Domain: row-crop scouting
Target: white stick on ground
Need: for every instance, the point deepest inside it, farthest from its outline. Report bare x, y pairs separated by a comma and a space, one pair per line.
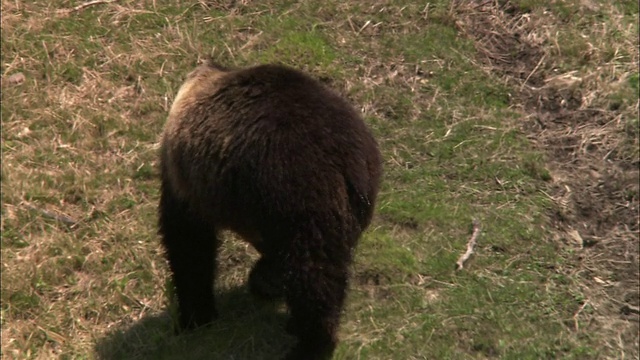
85, 5
51, 215
470, 245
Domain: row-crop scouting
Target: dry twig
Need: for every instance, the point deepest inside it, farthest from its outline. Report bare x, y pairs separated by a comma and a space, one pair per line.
630, 309
470, 245
51, 215
85, 5
533, 71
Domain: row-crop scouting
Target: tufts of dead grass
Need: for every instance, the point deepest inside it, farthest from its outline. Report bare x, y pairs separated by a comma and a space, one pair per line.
506, 41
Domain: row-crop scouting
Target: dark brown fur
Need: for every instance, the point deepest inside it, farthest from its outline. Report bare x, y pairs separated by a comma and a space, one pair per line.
275, 156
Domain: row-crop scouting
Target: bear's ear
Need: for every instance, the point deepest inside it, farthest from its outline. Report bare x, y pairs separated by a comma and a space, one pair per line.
210, 62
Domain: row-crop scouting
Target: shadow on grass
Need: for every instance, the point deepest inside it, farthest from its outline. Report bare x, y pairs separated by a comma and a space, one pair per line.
246, 329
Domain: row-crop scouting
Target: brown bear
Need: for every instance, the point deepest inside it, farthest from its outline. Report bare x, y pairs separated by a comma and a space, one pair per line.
275, 156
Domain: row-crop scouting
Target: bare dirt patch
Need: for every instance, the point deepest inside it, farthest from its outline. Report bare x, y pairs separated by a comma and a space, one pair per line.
591, 142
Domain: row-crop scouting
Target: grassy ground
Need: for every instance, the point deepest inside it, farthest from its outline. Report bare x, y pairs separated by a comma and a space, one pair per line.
524, 117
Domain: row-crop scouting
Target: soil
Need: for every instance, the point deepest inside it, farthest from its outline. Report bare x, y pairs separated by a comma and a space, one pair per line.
594, 183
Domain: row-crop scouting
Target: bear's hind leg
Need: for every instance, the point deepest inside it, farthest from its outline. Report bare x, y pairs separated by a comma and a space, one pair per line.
316, 284
190, 242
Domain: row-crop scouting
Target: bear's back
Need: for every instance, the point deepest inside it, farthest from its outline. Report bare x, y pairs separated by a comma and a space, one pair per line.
267, 139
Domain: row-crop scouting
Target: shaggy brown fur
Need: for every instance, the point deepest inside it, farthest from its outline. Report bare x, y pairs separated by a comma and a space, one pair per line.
272, 154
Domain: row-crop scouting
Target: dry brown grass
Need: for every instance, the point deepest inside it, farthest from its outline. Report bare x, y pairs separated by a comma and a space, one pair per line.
64, 158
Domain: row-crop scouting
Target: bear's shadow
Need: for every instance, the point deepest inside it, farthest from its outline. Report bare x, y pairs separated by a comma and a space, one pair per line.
247, 328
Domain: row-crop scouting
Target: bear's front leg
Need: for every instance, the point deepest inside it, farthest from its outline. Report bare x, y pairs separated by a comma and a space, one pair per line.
190, 243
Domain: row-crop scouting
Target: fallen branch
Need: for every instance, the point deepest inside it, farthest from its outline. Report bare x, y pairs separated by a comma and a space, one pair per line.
630, 309
85, 5
470, 245
51, 215
533, 71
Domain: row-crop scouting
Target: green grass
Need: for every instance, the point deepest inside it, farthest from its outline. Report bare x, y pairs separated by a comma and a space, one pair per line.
79, 138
